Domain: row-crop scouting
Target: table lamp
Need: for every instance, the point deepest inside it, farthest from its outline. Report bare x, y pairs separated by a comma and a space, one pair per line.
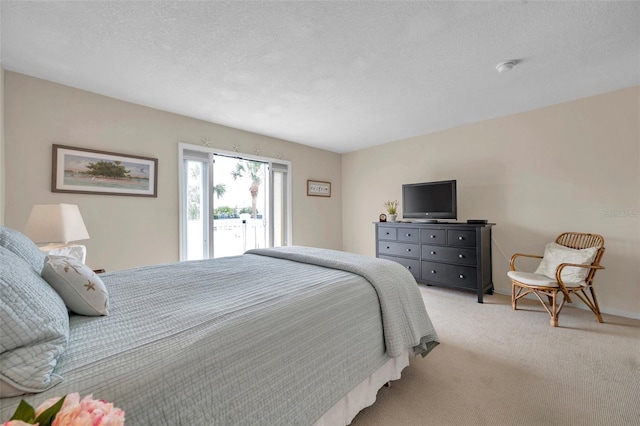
53, 226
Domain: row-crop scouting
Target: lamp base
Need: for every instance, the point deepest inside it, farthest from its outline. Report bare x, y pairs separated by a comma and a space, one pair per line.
76, 251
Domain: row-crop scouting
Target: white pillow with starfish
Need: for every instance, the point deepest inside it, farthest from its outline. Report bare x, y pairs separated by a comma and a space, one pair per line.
81, 289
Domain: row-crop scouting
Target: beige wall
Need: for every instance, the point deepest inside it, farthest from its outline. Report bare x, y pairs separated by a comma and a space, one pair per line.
569, 167
134, 231
572, 166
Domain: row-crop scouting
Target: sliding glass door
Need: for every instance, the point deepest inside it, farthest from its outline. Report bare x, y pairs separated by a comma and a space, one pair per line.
196, 206
231, 203
239, 205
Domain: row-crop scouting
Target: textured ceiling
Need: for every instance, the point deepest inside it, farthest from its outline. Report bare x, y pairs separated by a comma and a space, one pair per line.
335, 75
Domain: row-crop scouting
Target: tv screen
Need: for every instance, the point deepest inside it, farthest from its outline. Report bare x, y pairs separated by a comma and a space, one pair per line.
429, 200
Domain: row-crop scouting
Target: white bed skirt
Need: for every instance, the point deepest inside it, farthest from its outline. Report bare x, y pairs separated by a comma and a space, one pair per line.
364, 395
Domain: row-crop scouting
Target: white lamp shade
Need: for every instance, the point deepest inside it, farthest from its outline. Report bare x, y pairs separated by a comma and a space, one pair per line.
55, 223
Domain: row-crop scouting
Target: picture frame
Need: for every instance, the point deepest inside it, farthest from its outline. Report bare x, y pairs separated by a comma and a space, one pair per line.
318, 188
91, 171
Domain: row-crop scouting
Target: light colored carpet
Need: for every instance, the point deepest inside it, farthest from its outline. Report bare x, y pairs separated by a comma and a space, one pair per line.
497, 366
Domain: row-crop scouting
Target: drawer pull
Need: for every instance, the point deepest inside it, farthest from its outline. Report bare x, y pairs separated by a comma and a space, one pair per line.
433, 271
387, 247
432, 236
461, 256
387, 233
408, 235
408, 249
433, 252
461, 276
408, 267
461, 238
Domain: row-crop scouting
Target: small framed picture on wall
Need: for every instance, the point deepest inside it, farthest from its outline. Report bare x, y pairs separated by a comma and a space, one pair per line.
318, 188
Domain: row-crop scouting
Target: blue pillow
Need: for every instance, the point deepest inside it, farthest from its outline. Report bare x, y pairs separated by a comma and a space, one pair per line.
34, 328
23, 247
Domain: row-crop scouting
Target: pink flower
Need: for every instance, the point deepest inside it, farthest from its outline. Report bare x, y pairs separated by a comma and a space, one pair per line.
17, 423
48, 403
85, 412
69, 411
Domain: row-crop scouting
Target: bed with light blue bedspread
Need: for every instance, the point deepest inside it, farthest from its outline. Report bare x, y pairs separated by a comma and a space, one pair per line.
272, 337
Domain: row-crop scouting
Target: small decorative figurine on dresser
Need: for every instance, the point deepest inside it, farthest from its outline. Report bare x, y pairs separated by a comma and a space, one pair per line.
392, 210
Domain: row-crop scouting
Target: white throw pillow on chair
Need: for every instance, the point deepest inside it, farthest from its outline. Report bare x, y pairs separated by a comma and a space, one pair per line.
555, 254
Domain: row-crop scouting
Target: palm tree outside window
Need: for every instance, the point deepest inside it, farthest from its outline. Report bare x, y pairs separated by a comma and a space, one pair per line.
254, 170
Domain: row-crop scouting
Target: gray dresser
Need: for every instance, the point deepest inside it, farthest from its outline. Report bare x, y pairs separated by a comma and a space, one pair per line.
455, 255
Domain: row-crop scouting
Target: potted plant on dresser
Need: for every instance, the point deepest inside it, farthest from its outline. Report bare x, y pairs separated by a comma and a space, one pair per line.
392, 210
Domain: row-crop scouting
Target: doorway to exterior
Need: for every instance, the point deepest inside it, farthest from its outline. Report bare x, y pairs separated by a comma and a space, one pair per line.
231, 202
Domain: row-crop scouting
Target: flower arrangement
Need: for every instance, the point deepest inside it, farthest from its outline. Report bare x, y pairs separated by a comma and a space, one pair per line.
392, 207
69, 410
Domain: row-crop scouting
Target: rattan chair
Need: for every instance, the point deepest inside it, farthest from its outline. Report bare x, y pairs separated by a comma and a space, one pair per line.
524, 283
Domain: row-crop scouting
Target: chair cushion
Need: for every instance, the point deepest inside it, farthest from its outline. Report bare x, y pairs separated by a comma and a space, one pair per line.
555, 254
531, 278
81, 289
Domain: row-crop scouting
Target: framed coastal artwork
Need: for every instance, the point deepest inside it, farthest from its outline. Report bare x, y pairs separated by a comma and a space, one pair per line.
89, 171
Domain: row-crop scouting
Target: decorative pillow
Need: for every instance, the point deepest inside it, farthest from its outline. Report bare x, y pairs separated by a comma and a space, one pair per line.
555, 254
81, 289
23, 247
34, 328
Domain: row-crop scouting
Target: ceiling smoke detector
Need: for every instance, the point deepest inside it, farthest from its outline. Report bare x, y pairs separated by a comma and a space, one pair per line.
505, 66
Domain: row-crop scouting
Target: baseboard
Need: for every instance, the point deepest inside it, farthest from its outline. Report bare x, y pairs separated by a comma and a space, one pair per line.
577, 303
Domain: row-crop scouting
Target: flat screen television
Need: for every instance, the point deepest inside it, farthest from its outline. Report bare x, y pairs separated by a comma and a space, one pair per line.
429, 201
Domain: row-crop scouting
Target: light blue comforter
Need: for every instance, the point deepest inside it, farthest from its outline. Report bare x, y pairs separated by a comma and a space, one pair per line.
404, 318
245, 340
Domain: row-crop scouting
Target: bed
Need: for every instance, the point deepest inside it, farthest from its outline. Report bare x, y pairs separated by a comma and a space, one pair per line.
286, 336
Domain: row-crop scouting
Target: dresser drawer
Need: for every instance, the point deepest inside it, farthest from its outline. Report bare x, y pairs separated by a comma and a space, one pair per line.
462, 256
433, 236
412, 265
461, 238
409, 235
451, 275
387, 233
399, 249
